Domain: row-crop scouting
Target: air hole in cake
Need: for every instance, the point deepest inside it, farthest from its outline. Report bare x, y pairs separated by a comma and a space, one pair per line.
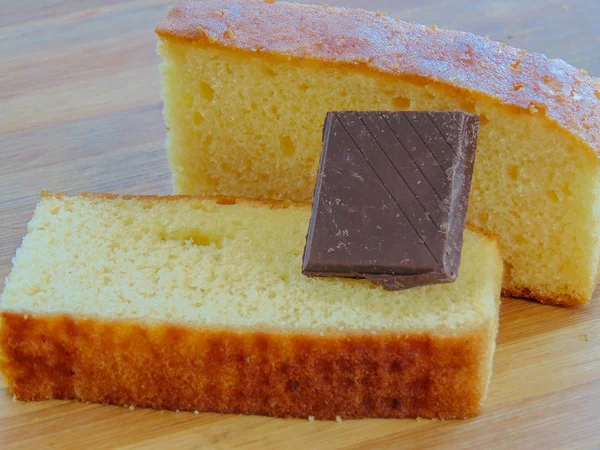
227, 201
287, 146
193, 235
556, 240
520, 239
304, 87
483, 219
206, 91
270, 71
226, 167
483, 120
401, 103
516, 214
513, 172
197, 117
552, 195
567, 191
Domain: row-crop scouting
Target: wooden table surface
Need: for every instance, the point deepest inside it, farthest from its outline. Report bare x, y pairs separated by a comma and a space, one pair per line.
80, 110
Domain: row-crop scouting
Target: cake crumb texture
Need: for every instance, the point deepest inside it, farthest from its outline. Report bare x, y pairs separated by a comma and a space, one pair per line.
215, 263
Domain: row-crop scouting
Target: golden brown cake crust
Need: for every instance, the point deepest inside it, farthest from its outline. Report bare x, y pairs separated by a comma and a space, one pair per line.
377, 42
267, 373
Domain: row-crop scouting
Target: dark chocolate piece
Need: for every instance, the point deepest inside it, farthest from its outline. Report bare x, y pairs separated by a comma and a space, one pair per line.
391, 197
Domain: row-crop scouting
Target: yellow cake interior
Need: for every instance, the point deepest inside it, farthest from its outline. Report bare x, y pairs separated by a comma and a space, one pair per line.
250, 125
210, 265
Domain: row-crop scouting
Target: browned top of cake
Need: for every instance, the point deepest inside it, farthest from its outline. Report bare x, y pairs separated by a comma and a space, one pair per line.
375, 41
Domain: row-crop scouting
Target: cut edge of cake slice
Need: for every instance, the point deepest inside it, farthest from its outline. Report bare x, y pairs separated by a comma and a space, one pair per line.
81, 336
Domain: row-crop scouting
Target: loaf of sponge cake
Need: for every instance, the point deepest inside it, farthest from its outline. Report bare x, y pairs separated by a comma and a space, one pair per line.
199, 304
247, 84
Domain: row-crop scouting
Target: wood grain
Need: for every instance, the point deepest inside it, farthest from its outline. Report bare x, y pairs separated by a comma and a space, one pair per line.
81, 111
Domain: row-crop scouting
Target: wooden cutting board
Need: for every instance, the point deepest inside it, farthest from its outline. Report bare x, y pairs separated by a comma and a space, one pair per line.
80, 110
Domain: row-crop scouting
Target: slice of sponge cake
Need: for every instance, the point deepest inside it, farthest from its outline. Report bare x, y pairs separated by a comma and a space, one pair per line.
247, 84
199, 304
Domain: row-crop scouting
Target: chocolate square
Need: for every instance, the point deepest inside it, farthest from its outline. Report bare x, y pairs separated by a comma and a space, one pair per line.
391, 197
